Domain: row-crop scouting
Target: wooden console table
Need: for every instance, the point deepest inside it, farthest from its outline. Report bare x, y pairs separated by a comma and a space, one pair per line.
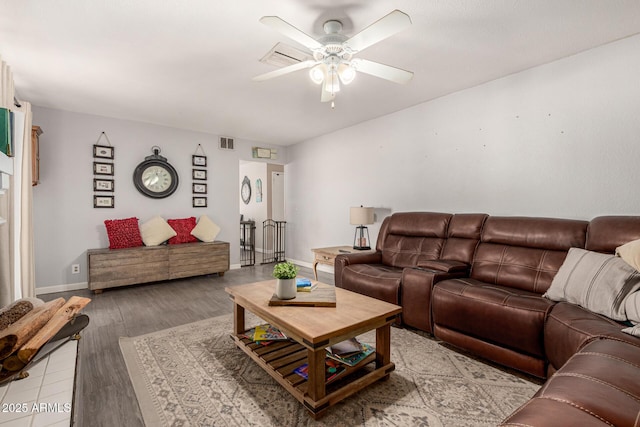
328, 255
110, 268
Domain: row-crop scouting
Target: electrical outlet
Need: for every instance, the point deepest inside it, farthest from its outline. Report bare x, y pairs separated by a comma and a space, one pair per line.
75, 268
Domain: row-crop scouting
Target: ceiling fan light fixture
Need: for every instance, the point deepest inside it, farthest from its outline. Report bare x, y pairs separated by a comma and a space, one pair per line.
333, 82
347, 73
317, 74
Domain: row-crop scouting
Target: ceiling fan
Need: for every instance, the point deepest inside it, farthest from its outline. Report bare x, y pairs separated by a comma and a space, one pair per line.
333, 54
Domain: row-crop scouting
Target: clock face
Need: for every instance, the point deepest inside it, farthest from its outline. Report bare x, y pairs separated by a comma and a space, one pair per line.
155, 178
245, 190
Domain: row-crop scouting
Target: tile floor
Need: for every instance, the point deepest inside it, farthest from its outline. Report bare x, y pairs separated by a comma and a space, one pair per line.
45, 397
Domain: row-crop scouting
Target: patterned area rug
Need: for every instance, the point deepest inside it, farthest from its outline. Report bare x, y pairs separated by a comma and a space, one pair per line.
193, 375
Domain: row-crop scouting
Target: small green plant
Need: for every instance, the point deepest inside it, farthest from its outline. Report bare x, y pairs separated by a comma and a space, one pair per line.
285, 270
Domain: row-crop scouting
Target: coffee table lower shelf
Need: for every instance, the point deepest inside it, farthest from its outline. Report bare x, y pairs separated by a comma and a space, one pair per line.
279, 359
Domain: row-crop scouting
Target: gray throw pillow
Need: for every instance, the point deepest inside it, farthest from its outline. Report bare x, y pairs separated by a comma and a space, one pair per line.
598, 282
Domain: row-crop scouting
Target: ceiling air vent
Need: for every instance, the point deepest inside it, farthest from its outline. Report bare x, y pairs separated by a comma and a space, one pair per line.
226, 143
282, 55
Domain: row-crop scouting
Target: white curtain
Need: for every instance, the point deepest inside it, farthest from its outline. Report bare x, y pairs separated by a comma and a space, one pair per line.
16, 235
25, 265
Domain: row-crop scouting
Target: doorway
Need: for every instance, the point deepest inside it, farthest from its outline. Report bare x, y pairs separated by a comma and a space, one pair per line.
261, 204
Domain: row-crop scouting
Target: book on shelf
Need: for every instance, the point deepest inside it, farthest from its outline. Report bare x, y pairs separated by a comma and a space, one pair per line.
346, 347
333, 369
352, 359
265, 334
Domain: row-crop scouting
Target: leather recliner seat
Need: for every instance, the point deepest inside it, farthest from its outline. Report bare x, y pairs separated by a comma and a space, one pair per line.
498, 311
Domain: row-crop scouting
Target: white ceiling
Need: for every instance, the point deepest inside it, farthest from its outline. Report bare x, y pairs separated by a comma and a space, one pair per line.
188, 63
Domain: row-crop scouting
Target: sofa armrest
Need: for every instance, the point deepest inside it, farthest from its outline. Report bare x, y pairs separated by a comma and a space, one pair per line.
446, 265
343, 260
415, 295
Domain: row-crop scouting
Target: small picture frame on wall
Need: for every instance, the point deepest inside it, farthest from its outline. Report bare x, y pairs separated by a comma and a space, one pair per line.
100, 184
102, 152
199, 202
198, 160
200, 174
100, 168
103, 201
199, 188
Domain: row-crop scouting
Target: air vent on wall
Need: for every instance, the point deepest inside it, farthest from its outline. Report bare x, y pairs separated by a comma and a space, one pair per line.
226, 143
282, 55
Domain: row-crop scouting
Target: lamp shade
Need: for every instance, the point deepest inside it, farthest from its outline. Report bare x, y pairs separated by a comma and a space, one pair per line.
361, 216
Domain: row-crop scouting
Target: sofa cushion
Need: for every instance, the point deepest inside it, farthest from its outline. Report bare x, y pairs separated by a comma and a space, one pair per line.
598, 386
525, 253
570, 327
183, 228
597, 282
630, 253
156, 231
374, 280
504, 316
463, 236
123, 233
606, 233
412, 237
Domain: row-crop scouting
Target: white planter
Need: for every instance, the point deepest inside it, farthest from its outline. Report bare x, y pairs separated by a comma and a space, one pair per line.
286, 288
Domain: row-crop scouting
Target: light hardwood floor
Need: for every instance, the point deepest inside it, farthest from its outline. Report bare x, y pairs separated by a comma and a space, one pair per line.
104, 395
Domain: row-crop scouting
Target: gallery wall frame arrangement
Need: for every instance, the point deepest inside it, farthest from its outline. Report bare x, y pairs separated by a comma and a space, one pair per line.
199, 202
199, 176
103, 173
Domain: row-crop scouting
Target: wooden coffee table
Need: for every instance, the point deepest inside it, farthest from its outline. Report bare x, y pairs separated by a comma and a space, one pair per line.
312, 329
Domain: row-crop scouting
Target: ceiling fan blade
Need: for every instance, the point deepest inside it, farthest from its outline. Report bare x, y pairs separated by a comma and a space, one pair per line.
285, 70
290, 31
387, 72
385, 27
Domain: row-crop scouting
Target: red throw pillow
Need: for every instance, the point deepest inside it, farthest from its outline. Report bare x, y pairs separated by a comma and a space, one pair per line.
182, 227
123, 233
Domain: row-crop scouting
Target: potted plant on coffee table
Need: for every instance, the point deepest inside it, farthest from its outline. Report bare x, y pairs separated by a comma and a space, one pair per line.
285, 274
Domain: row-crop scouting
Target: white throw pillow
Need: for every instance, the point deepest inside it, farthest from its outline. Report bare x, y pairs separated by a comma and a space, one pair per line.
630, 253
598, 282
632, 307
205, 230
156, 231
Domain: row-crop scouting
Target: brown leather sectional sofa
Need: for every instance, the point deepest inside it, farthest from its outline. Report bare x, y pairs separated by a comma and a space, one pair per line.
476, 281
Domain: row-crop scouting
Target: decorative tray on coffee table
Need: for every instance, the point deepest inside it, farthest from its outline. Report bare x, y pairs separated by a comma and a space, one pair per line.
322, 296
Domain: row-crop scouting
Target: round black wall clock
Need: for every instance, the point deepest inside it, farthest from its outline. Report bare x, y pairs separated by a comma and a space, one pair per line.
245, 190
155, 177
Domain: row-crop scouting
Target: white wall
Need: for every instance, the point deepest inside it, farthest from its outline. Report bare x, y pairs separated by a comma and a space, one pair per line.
559, 140
65, 222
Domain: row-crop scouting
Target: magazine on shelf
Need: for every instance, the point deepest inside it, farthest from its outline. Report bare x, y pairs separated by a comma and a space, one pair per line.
346, 348
264, 334
333, 369
353, 358
268, 332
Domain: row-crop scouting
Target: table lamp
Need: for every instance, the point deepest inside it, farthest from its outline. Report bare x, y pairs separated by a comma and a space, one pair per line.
360, 216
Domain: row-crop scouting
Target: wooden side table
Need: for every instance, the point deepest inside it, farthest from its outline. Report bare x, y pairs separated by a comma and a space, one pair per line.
328, 255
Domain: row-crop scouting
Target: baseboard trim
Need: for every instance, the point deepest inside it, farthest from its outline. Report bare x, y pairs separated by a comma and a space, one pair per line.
62, 288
